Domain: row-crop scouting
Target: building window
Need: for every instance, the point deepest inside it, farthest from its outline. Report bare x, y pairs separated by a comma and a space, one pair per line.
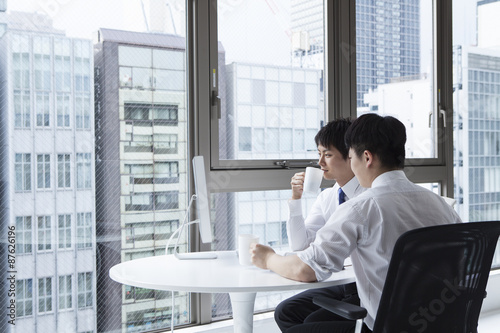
24, 298
144, 114
64, 231
136, 294
63, 171
21, 62
151, 317
150, 231
41, 59
64, 292
84, 230
85, 290
62, 64
23, 172
139, 201
166, 200
165, 144
24, 234
43, 171
166, 172
45, 295
245, 138
258, 92
42, 107
83, 171
22, 113
82, 84
44, 233
82, 111
63, 110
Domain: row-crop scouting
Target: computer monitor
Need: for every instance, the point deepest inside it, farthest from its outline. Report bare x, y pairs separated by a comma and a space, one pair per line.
202, 201
202, 212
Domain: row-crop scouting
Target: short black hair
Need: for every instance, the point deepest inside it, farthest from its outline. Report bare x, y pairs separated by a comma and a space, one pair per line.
332, 135
382, 136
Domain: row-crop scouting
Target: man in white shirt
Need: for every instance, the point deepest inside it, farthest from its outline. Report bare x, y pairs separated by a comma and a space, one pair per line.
367, 226
334, 162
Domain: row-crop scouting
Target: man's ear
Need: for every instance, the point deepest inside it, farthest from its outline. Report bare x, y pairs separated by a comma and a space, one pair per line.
368, 158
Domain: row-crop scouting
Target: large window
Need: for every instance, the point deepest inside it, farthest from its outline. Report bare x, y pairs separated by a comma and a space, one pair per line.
64, 231
24, 298
24, 230
476, 122
395, 68
104, 112
44, 231
43, 171
83, 171
84, 230
85, 297
270, 82
45, 295
65, 291
23, 172
63, 171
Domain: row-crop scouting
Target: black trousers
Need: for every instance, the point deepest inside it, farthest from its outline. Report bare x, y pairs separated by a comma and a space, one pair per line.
299, 314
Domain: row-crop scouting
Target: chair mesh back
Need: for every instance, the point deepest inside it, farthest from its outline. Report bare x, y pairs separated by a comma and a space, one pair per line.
437, 279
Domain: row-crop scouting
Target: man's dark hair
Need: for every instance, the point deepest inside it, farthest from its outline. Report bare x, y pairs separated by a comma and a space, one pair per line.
382, 136
332, 135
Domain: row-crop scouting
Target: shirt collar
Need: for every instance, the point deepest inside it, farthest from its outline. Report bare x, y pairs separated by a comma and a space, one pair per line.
388, 176
350, 188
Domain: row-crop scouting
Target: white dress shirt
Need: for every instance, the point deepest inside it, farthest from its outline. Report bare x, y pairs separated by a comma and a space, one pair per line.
367, 227
302, 232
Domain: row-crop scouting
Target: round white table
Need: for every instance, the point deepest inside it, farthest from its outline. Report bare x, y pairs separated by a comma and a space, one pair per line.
221, 275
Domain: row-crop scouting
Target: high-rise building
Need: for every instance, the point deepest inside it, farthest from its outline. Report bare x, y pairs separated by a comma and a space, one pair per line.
476, 84
141, 169
387, 39
47, 174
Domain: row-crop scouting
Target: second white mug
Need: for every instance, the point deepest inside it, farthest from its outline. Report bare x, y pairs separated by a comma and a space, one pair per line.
312, 180
244, 242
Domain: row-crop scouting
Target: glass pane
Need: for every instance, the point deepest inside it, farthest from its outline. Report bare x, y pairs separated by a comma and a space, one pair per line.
68, 162
394, 67
272, 77
261, 213
476, 104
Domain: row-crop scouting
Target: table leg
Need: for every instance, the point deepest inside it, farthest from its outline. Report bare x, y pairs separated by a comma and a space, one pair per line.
243, 304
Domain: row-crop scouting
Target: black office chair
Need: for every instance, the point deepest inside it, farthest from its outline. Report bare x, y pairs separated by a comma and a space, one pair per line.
436, 280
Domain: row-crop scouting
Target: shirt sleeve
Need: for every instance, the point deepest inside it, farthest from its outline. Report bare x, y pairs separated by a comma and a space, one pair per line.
302, 232
335, 242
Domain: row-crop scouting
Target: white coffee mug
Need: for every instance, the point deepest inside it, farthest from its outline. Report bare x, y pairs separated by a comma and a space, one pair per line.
312, 180
244, 241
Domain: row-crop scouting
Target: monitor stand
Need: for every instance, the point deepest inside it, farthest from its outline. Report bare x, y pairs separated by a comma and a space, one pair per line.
189, 255
195, 255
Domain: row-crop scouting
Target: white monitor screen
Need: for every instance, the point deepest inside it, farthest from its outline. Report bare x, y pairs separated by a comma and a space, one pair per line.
202, 202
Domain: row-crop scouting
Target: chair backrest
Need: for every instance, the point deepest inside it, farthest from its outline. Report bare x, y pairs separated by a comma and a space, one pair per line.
437, 278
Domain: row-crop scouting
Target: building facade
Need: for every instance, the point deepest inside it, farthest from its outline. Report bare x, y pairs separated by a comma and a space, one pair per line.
141, 169
388, 40
47, 174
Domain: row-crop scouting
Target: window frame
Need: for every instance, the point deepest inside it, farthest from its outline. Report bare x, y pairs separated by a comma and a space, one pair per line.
340, 99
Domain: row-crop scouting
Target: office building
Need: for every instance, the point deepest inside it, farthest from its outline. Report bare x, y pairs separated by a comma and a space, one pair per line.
141, 169
47, 174
387, 40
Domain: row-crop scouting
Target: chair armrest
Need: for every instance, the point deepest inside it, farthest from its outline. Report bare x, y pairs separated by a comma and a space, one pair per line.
343, 309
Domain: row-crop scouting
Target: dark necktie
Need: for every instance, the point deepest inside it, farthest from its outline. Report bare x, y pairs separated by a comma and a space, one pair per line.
341, 196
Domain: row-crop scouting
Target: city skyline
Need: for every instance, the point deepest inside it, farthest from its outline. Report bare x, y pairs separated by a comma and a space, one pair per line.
271, 109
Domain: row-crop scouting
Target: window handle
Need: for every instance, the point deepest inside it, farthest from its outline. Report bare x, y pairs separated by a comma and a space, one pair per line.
442, 112
216, 103
296, 164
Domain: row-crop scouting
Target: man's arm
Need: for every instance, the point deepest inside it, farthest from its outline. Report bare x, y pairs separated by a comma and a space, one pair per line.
290, 267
